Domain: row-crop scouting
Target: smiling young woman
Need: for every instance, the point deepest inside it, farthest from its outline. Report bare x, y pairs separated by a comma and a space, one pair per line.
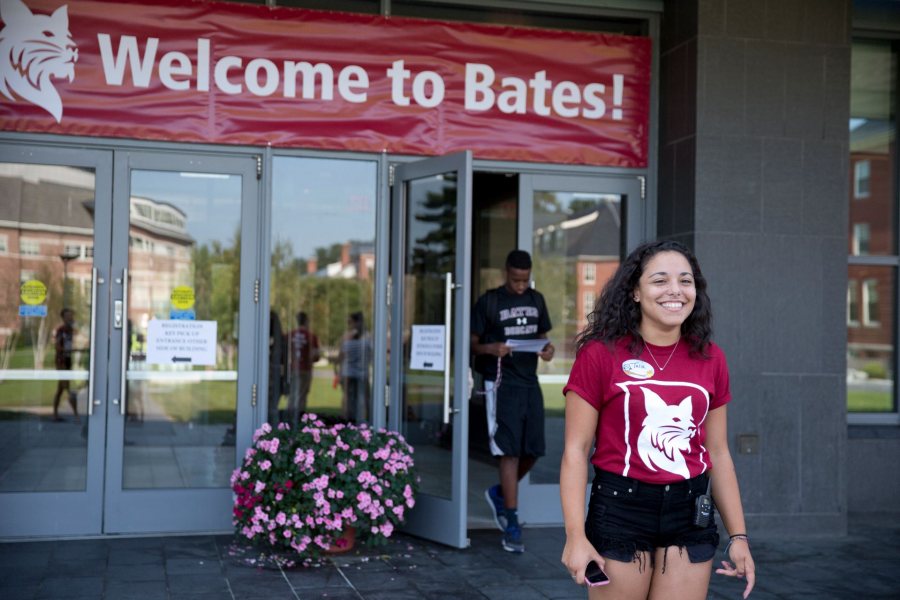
648, 393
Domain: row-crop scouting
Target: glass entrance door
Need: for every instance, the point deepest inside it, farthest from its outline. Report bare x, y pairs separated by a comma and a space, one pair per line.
431, 273
181, 341
54, 257
578, 228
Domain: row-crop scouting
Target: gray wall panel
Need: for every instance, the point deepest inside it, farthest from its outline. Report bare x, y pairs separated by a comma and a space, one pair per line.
744, 19
780, 441
720, 78
823, 440
781, 19
782, 159
805, 86
825, 177
873, 482
765, 81
729, 189
769, 227
837, 74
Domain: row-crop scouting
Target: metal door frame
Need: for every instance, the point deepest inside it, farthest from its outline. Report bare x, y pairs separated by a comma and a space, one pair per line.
181, 510
539, 503
434, 518
65, 513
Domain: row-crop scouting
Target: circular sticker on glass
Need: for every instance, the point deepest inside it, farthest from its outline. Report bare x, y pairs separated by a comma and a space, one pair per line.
33, 292
182, 297
637, 369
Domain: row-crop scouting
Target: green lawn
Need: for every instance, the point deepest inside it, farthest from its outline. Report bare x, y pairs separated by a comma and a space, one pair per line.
214, 401
867, 401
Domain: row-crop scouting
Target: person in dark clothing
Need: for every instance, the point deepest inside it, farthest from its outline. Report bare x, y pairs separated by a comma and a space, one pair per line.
277, 355
353, 369
513, 399
63, 343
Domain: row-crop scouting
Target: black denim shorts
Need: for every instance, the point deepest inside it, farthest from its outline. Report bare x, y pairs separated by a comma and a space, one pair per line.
627, 517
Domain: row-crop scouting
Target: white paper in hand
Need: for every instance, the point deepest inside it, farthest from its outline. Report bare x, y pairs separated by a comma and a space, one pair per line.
527, 345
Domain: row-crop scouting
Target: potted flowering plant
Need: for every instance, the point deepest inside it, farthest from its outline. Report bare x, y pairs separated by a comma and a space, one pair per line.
298, 491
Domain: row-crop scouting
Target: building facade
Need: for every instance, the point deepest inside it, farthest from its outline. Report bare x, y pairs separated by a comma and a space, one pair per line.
185, 193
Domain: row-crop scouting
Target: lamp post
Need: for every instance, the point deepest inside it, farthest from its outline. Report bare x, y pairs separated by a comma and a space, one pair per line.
67, 256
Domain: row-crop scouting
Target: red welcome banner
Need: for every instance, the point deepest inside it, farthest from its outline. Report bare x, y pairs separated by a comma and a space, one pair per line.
225, 73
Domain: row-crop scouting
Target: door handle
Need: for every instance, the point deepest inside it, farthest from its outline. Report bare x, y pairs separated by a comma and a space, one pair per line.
448, 322
123, 389
93, 342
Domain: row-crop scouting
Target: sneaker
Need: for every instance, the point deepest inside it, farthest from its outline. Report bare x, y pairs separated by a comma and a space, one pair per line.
495, 501
512, 540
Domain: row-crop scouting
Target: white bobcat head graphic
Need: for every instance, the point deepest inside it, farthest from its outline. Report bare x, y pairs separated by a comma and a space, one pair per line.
666, 433
33, 49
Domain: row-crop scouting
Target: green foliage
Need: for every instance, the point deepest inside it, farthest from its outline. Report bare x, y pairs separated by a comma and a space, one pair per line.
875, 370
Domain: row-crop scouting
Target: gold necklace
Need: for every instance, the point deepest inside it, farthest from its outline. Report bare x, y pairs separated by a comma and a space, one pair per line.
653, 358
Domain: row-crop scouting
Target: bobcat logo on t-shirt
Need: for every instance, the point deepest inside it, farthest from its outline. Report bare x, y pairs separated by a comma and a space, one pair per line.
34, 49
663, 429
666, 434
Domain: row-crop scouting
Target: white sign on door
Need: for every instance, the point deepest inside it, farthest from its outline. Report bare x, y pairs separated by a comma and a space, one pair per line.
427, 348
172, 342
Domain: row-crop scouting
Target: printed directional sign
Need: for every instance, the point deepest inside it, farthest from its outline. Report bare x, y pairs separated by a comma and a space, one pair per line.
427, 348
172, 342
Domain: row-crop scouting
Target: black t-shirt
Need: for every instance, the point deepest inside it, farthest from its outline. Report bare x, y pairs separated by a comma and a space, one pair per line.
516, 317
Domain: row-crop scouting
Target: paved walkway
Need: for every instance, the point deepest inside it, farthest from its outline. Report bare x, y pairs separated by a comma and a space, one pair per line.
863, 565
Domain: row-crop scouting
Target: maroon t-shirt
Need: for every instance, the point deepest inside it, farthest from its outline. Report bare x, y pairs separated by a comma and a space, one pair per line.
650, 425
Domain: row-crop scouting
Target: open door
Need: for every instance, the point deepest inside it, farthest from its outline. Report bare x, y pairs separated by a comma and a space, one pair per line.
429, 376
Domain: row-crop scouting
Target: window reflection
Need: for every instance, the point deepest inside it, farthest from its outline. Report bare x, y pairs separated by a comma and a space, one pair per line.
184, 265
322, 284
577, 240
870, 346
46, 224
872, 205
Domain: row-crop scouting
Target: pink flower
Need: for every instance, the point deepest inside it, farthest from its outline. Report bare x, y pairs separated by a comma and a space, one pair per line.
260, 486
265, 465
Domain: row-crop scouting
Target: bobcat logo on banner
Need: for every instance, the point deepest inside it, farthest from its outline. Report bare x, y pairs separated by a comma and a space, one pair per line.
34, 49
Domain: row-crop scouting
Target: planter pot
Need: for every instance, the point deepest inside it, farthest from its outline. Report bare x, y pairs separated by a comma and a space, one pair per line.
344, 543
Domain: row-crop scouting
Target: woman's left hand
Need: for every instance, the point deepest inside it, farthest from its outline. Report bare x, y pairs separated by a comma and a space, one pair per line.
742, 564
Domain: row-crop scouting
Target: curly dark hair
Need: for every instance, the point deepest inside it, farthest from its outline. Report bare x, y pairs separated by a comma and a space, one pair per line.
616, 315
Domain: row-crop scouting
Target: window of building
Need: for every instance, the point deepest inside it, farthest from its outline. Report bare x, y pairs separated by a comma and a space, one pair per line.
853, 303
72, 250
861, 235
322, 286
29, 247
589, 300
870, 303
590, 273
4, 243
861, 171
874, 256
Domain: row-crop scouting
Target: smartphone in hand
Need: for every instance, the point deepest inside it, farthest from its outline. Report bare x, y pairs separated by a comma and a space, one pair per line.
594, 575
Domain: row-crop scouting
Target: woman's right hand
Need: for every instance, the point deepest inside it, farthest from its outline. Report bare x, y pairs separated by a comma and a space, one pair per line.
577, 553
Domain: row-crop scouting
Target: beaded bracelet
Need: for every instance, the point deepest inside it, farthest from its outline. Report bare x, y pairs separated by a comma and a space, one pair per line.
737, 536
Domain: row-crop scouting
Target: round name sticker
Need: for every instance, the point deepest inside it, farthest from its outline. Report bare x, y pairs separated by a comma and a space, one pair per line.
637, 369
182, 297
33, 292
